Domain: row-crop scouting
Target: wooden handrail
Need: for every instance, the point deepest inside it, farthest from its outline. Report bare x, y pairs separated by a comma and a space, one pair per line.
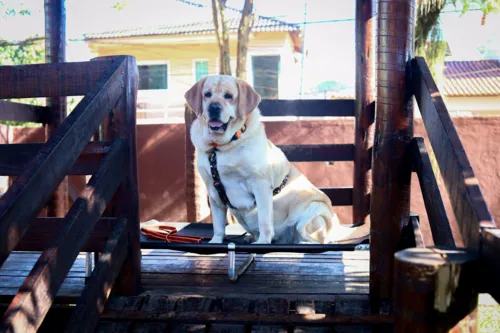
11, 111
29, 307
33, 188
466, 197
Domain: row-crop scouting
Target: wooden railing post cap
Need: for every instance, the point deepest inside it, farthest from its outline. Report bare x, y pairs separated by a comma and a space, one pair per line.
435, 256
113, 58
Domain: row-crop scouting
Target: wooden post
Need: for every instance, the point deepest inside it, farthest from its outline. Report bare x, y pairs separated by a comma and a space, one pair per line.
435, 290
193, 178
391, 171
55, 52
365, 109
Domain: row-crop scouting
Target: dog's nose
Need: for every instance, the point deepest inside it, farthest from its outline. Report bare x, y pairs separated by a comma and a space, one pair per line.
214, 110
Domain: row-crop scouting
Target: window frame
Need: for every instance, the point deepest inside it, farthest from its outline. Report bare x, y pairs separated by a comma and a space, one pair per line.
195, 60
155, 62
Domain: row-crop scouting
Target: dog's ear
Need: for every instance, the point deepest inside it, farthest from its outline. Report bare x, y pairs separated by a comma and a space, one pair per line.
194, 96
249, 99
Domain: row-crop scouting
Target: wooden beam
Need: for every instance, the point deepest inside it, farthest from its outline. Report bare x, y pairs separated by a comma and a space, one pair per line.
340, 196
29, 307
307, 108
193, 178
489, 262
318, 153
15, 157
391, 170
435, 290
97, 289
364, 110
65, 79
438, 219
44, 233
34, 186
11, 111
461, 183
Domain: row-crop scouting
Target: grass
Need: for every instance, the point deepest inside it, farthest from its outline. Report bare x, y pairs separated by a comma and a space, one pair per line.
488, 315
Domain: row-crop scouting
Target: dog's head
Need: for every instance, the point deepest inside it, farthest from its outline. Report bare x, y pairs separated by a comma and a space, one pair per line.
218, 100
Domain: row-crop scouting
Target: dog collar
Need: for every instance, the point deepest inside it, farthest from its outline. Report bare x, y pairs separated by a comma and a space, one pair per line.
235, 137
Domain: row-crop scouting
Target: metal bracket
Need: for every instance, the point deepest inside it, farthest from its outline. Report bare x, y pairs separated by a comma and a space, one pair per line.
231, 270
362, 247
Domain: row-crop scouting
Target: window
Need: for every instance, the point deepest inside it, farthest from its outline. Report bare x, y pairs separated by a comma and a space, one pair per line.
153, 77
266, 71
200, 69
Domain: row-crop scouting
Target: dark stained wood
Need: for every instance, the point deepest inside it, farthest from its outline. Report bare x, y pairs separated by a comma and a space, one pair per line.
11, 111
340, 196
307, 108
461, 183
33, 188
417, 232
438, 219
44, 232
489, 262
364, 109
55, 52
29, 307
66, 79
411, 235
86, 314
15, 157
193, 178
249, 318
319, 153
434, 290
391, 171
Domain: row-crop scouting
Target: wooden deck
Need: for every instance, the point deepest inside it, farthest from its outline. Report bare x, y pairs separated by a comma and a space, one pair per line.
177, 283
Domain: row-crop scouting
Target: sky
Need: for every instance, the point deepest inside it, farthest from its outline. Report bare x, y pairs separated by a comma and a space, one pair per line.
330, 44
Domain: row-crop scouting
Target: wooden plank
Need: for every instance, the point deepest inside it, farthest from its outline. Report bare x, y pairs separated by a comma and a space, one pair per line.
39, 179
11, 111
15, 157
364, 109
340, 196
438, 219
29, 307
44, 232
50, 80
97, 289
434, 290
318, 153
489, 262
307, 108
461, 183
391, 169
250, 318
194, 182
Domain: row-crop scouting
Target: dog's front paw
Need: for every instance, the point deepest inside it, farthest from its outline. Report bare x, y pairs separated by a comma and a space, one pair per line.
217, 239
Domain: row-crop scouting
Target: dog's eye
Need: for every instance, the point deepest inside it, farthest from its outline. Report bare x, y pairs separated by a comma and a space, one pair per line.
228, 96
208, 94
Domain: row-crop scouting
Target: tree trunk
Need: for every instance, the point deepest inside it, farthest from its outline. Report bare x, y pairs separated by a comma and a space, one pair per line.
222, 33
243, 36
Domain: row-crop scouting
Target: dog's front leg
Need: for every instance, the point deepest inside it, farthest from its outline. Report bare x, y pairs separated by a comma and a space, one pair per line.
219, 214
263, 194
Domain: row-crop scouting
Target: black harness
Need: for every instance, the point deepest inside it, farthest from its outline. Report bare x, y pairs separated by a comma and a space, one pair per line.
212, 158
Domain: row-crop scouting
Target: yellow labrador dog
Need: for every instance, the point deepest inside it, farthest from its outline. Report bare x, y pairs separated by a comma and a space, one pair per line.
248, 174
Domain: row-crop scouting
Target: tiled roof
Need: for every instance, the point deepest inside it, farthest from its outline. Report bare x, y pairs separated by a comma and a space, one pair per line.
471, 78
261, 24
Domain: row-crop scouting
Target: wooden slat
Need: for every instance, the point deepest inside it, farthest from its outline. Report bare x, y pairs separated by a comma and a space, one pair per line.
98, 287
44, 232
489, 262
251, 318
15, 157
34, 186
438, 219
463, 187
49, 80
307, 108
11, 111
318, 153
340, 196
29, 307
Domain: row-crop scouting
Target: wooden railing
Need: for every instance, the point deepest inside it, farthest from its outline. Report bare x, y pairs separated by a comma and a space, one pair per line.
109, 86
445, 279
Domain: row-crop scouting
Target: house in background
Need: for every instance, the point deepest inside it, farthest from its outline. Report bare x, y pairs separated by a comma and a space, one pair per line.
173, 57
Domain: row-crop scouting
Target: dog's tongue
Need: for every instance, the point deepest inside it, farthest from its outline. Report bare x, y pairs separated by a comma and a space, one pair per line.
214, 123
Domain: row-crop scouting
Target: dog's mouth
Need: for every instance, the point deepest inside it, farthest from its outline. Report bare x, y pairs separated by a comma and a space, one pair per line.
217, 126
